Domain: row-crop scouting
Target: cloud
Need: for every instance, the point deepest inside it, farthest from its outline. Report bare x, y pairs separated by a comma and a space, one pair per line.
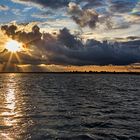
27, 9
9, 30
118, 22
16, 11
122, 6
88, 13
4, 8
60, 3
133, 38
136, 10
43, 14
22, 36
67, 49
44, 3
69, 40
93, 3
136, 13
114, 5
88, 17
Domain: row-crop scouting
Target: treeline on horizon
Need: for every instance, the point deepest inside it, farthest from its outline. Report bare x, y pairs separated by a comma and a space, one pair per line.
80, 72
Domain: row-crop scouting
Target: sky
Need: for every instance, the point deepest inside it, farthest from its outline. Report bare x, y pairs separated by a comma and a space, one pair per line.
70, 34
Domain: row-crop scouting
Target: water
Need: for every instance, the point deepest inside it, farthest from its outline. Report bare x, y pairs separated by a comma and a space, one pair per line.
69, 107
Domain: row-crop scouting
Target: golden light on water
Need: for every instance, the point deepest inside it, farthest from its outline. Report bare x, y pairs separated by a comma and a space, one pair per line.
11, 109
9, 102
13, 46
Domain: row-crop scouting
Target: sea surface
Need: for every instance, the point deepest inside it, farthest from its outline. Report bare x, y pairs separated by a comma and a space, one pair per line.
69, 107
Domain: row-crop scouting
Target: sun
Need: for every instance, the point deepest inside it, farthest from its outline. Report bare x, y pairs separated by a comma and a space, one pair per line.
13, 46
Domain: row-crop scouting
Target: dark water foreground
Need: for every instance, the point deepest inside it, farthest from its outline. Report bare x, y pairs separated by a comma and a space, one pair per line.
69, 107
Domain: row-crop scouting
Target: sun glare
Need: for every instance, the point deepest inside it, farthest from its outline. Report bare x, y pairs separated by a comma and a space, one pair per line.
13, 46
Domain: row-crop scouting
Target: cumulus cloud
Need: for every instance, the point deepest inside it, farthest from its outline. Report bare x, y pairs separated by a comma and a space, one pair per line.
22, 36
67, 49
88, 17
69, 40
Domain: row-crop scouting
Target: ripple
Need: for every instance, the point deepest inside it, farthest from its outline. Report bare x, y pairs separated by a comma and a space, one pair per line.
80, 137
98, 124
69, 107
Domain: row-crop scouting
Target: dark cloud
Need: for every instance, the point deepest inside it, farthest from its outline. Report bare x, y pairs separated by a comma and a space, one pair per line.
115, 5
4, 8
71, 41
93, 3
90, 18
52, 3
26, 37
61, 3
67, 49
46, 3
87, 17
9, 30
129, 38
98, 53
122, 6
133, 38
137, 13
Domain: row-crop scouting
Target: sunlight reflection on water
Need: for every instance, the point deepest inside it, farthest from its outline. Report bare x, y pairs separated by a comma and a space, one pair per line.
10, 101
11, 109
10, 106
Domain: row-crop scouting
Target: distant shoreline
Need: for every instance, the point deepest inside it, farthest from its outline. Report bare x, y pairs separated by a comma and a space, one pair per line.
134, 73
